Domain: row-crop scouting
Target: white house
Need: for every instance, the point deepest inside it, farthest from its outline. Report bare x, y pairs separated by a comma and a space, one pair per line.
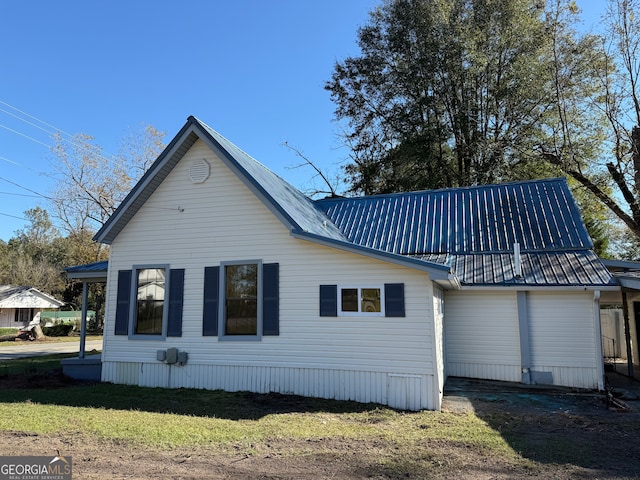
20, 304
249, 285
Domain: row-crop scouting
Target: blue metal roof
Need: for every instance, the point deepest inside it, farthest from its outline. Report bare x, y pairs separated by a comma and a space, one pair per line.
89, 267
578, 268
473, 230
539, 215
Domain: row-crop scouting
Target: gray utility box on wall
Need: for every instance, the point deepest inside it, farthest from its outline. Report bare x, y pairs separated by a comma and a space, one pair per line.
172, 356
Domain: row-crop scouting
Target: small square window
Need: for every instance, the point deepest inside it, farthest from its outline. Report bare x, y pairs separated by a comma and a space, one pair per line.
361, 301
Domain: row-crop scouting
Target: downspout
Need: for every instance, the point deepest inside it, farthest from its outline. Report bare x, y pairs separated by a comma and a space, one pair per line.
525, 343
523, 320
597, 325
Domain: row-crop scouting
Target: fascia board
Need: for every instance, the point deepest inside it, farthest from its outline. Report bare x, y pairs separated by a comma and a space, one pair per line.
629, 282
91, 277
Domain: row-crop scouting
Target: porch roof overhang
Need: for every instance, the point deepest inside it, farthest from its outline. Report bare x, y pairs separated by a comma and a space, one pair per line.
91, 272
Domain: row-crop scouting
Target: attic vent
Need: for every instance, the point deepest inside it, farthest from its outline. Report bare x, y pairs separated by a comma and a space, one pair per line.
199, 171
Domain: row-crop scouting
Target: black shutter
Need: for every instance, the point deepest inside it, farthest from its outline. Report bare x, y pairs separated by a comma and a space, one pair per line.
123, 301
270, 299
328, 300
210, 309
176, 295
394, 299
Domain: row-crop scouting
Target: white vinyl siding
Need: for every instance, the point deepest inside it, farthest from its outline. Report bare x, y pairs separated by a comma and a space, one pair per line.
562, 337
482, 335
191, 226
7, 318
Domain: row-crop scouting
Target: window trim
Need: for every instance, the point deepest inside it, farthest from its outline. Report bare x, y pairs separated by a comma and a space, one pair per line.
133, 302
222, 295
360, 287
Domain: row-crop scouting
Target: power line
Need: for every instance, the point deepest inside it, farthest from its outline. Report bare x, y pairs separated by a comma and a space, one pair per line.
24, 135
20, 194
13, 216
11, 161
27, 121
25, 188
71, 138
34, 118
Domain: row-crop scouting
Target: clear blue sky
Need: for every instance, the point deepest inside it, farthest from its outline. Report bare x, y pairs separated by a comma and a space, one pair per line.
254, 70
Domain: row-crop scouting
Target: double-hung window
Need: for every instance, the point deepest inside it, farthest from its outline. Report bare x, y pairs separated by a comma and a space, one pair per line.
241, 298
150, 312
149, 302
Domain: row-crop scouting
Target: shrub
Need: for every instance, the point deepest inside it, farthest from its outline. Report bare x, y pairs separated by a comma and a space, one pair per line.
58, 330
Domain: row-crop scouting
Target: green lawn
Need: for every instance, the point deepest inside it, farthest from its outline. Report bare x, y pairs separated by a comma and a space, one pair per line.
181, 418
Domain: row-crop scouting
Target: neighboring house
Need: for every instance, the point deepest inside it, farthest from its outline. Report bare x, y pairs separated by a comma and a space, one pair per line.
224, 276
19, 305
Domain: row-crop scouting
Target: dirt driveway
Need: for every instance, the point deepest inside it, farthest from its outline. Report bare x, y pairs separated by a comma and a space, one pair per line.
560, 433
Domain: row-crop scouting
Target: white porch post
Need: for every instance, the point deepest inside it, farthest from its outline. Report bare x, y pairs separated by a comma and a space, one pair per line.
83, 320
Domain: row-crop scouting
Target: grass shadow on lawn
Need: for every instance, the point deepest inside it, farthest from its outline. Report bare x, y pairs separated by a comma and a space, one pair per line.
202, 403
40, 380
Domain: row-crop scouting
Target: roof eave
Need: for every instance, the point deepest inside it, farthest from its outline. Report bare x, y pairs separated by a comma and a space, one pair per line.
498, 286
88, 276
632, 283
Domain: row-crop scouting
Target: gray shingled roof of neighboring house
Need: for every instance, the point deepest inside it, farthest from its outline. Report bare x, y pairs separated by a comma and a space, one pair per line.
8, 291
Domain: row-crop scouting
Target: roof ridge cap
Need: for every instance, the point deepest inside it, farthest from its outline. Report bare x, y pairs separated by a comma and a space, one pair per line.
445, 189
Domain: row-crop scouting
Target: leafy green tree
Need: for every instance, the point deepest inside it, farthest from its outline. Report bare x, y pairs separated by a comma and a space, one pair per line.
446, 92
34, 255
